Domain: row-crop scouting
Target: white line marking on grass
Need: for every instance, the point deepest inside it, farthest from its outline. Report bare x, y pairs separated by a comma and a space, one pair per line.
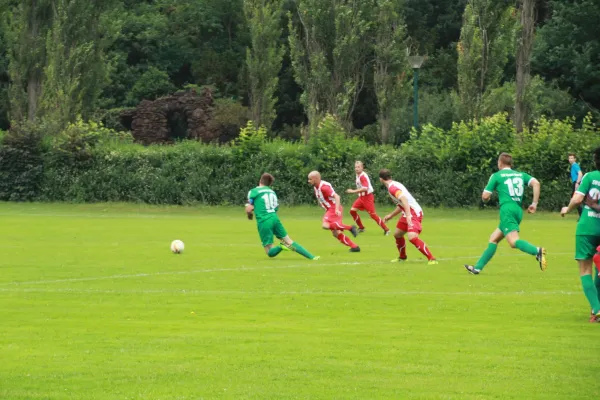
286, 293
314, 264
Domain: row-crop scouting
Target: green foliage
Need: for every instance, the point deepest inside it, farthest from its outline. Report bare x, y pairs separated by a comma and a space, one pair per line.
487, 39
568, 50
390, 64
151, 85
250, 140
264, 58
21, 163
88, 162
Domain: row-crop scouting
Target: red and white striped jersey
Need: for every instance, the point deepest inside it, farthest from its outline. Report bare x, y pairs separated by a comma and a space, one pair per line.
363, 181
324, 193
396, 190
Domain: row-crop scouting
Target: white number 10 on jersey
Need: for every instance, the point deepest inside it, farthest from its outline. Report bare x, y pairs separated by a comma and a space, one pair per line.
270, 202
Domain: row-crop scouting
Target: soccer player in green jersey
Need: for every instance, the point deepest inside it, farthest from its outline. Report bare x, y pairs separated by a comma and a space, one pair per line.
510, 185
263, 202
587, 234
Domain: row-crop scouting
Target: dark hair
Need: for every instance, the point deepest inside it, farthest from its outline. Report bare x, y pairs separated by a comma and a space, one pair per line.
267, 179
506, 159
385, 174
573, 154
597, 157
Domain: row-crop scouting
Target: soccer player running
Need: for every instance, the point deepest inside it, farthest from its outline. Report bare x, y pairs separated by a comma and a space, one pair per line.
510, 185
365, 200
263, 202
411, 221
330, 201
587, 234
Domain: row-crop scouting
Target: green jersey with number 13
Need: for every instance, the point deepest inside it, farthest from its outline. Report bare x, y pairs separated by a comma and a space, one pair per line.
510, 185
265, 203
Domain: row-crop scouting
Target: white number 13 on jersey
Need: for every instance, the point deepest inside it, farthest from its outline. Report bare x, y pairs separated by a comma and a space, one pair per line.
515, 186
270, 202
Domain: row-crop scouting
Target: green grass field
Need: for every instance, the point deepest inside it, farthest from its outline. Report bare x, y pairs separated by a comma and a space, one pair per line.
93, 305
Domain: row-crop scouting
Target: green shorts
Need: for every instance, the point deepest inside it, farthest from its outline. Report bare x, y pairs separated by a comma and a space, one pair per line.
585, 246
510, 219
268, 228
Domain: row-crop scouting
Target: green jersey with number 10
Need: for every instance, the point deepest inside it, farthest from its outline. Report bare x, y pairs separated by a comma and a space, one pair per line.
510, 185
265, 203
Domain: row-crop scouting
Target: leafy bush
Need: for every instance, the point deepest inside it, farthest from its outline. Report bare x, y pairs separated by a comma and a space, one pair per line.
90, 163
21, 163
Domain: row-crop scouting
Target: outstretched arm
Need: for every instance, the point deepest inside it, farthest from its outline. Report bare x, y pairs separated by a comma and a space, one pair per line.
573, 204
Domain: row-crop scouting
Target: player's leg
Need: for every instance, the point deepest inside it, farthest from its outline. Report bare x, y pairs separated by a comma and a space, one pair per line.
585, 250
400, 242
413, 237
510, 220
495, 238
281, 234
539, 252
596, 268
370, 208
356, 206
332, 222
335, 222
265, 231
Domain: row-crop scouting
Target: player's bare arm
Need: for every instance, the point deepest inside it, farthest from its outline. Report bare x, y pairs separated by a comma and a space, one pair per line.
576, 200
353, 191
338, 204
407, 211
486, 196
249, 210
535, 185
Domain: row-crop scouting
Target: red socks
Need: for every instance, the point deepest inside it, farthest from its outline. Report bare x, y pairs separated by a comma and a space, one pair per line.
422, 247
338, 226
379, 221
345, 240
356, 219
401, 245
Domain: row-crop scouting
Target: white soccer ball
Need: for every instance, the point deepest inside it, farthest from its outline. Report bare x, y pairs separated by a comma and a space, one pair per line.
177, 246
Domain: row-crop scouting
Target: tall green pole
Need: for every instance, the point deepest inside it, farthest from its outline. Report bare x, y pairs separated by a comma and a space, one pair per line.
416, 98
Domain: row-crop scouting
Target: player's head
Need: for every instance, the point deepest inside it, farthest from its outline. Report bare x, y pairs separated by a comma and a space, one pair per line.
572, 158
266, 179
597, 158
359, 167
505, 161
314, 178
385, 175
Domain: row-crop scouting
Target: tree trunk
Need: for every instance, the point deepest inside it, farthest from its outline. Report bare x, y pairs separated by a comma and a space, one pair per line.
34, 75
384, 124
524, 49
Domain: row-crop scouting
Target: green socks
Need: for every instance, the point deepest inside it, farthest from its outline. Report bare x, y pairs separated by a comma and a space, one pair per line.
301, 250
274, 251
526, 247
486, 256
590, 292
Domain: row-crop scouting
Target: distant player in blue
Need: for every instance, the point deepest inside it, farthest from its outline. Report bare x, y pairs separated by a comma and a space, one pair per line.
576, 177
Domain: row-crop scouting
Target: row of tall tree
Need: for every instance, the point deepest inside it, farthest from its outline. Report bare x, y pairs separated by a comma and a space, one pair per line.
292, 61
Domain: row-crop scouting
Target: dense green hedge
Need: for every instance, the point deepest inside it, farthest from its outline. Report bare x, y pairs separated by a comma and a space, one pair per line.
89, 163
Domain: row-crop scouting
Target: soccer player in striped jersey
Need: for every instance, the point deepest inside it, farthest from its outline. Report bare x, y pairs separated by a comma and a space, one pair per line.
410, 222
330, 201
365, 200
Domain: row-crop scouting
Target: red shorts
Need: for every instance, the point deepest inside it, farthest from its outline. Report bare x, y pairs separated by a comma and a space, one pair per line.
365, 203
417, 220
330, 216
